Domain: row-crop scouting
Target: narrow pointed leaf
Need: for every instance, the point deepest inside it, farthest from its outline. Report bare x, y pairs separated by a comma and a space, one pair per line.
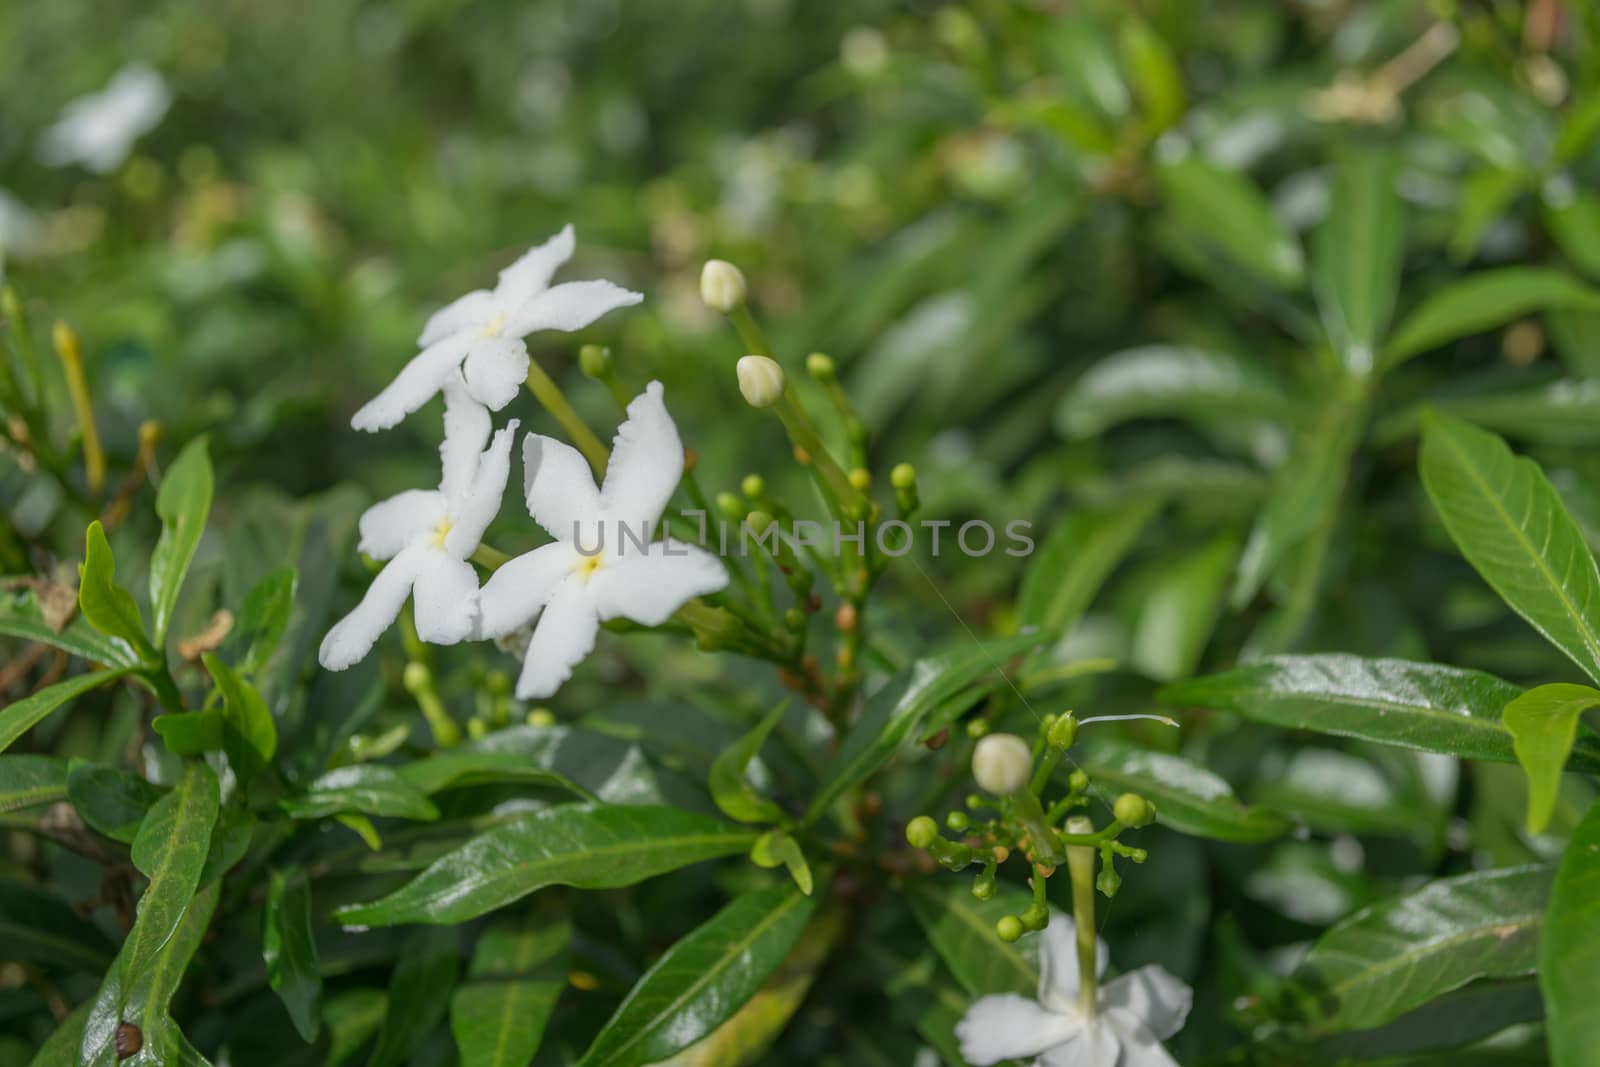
961, 929
365, 788
108, 607
249, 735
17, 719
29, 780
1074, 561
290, 950
1544, 725
1356, 258
734, 796
460, 767
1188, 797
419, 993
264, 618
170, 850
20, 617
498, 1015
1483, 301
111, 800
183, 503
1226, 211
1569, 951
1167, 380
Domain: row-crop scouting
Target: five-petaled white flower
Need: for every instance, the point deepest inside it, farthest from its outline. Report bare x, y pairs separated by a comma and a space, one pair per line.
98, 130
481, 334
427, 536
604, 563
1136, 1012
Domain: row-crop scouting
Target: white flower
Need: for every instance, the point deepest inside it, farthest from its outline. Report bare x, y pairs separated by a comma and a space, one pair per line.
1136, 1013
481, 334
427, 536
98, 130
1002, 763
604, 563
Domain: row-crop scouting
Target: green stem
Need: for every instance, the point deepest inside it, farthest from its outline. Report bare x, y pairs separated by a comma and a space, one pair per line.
803, 432
553, 400
1080, 866
755, 341
1046, 845
489, 557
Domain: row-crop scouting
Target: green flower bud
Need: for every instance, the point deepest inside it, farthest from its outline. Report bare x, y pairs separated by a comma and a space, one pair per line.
758, 521
416, 676
753, 486
973, 802
983, 888
541, 717
1064, 731
794, 618
1002, 763
957, 821
761, 381
820, 367
477, 728
922, 832
903, 477
731, 506
595, 360
722, 286
1009, 928
1035, 918
1133, 810
977, 728
861, 479
1078, 781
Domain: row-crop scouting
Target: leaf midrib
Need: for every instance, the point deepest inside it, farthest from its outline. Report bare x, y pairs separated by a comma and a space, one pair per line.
1006, 950
1426, 948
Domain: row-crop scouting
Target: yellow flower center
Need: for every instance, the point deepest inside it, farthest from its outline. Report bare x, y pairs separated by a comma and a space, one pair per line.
587, 565
492, 327
441, 532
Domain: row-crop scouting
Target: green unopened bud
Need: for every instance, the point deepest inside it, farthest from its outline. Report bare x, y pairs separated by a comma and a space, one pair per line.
731, 506
977, 728
595, 360
1035, 918
1133, 810
1078, 781
903, 477
983, 886
821, 367
922, 832
722, 286
497, 683
753, 486
761, 381
541, 717
974, 802
861, 479
958, 822
794, 618
1009, 928
416, 676
758, 521
1001, 763
477, 727
1063, 732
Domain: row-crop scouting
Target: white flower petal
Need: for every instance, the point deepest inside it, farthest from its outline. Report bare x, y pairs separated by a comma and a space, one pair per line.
495, 370
390, 525
568, 306
353, 636
471, 312
1140, 1048
415, 385
646, 463
1058, 963
560, 490
1008, 1026
520, 588
564, 636
1152, 994
647, 587
1095, 1045
445, 599
99, 130
532, 271
466, 431
473, 511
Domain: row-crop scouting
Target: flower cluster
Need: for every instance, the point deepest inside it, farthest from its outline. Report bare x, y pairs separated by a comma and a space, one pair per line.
473, 352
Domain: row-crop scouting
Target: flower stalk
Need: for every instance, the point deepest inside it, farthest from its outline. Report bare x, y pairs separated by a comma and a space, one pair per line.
553, 400
71, 355
1080, 868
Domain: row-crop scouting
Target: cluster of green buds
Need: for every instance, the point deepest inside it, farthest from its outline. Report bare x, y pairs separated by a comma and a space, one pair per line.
1014, 819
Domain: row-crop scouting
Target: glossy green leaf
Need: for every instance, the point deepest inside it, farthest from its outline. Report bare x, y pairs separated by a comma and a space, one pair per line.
365, 788
582, 845
1356, 258
960, 927
1178, 611
518, 971
1337, 792
1398, 954
190, 733
29, 780
1511, 525
290, 949
461, 767
1075, 559
1569, 950
1225, 210
183, 503
111, 800
1544, 726
60, 1049
419, 992
731, 791
170, 850
1483, 301
1558, 412
37, 927
353, 1016
703, 979
775, 848
249, 736
1424, 706
20, 617
1188, 797
264, 618
17, 719
1169, 380
108, 607
894, 711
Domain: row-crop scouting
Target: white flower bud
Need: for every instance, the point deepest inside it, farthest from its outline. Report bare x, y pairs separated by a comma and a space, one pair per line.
722, 286
760, 380
1001, 763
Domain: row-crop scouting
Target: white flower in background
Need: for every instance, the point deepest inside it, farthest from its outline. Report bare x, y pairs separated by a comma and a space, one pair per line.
604, 563
98, 130
427, 536
480, 335
1136, 1013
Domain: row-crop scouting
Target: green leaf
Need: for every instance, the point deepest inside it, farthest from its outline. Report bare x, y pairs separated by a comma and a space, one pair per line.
39, 928
1559, 412
1484, 301
1179, 610
582, 845
264, 618
1356, 258
60, 1049
1398, 954
170, 850
461, 767
26, 781
1544, 726
1188, 797
111, 800
1074, 561
960, 928
20, 617
894, 711
419, 993
183, 502
518, 971
1569, 951
290, 949
1423, 706
367, 788
1338, 792
249, 736
352, 1017
733, 794
1169, 380
1511, 525
703, 979
17, 719
776, 847
190, 733
1224, 209
1156, 78
108, 607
